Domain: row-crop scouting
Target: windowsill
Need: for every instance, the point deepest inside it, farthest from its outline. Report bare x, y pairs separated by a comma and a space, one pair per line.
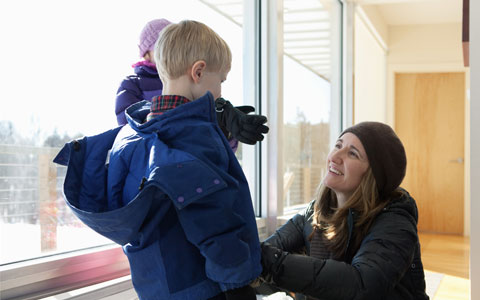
95, 273
56, 274
289, 212
120, 288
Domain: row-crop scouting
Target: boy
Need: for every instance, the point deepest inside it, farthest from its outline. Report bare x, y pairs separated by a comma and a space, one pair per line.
173, 194
146, 84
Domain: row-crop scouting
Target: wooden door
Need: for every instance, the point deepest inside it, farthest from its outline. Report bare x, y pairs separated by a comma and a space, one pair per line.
429, 119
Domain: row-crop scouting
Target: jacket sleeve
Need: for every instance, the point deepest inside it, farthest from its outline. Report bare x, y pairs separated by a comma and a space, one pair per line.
290, 237
383, 258
127, 94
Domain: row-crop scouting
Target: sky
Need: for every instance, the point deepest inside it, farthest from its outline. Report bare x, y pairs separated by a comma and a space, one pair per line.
63, 60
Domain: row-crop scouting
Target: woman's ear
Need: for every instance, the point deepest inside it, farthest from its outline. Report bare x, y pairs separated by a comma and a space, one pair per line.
197, 70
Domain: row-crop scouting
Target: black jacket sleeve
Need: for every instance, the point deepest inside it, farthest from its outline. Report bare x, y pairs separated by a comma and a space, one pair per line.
383, 258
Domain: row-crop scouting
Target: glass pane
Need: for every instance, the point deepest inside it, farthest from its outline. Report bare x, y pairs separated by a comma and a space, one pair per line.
230, 27
63, 67
311, 81
226, 19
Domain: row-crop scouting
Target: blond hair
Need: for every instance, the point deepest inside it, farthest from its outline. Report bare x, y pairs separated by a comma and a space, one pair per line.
180, 45
331, 221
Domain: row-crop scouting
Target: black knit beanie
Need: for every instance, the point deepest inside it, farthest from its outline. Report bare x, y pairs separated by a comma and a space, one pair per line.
385, 153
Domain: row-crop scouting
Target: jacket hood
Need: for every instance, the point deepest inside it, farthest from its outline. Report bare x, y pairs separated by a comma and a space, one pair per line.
91, 197
94, 186
171, 181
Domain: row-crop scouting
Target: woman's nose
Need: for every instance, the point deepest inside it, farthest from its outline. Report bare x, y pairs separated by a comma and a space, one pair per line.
337, 156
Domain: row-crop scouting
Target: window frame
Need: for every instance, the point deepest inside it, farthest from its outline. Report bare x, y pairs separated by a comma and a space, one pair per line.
54, 274
50, 275
271, 82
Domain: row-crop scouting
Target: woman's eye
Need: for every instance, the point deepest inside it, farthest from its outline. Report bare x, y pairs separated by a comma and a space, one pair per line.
338, 146
353, 154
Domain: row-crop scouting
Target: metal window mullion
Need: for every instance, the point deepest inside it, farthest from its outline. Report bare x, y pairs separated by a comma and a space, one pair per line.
348, 63
250, 154
271, 62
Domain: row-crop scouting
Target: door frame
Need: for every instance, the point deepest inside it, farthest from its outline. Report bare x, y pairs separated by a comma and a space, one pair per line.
393, 69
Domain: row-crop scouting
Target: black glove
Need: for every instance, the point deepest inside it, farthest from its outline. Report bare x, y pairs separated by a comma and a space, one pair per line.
272, 258
241, 293
236, 121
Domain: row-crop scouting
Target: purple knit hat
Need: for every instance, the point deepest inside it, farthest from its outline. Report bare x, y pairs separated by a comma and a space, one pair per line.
149, 35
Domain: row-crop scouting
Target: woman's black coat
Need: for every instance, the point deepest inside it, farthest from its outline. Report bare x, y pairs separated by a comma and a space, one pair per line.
386, 266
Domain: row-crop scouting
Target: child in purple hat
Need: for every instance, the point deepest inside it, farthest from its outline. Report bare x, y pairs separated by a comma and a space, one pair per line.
145, 84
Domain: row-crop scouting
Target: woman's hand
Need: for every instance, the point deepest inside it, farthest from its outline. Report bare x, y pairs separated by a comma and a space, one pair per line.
272, 258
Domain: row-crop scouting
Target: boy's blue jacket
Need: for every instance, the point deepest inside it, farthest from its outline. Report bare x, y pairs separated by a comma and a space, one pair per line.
172, 193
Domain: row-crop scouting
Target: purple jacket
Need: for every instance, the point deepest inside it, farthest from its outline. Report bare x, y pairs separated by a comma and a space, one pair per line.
144, 85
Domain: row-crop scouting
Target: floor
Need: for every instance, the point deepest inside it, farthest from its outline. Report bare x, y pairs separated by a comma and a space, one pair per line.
446, 263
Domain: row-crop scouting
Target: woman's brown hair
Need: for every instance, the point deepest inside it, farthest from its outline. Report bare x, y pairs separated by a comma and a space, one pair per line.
332, 221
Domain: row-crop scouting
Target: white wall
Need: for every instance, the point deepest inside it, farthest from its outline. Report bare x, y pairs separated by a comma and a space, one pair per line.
475, 148
370, 67
422, 48
376, 19
425, 44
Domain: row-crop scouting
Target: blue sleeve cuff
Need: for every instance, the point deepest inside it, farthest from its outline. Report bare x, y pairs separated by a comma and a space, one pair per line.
235, 276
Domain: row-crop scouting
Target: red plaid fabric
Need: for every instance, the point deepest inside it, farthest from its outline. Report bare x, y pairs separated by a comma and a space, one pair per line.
161, 104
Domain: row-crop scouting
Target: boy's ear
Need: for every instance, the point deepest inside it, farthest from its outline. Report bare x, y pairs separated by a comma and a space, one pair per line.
197, 70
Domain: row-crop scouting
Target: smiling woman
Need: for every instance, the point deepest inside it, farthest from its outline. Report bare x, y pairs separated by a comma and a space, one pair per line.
360, 233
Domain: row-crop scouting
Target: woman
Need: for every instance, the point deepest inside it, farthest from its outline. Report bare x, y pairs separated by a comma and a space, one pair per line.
359, 234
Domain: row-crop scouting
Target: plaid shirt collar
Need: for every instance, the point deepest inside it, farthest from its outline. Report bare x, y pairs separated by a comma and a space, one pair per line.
161, 104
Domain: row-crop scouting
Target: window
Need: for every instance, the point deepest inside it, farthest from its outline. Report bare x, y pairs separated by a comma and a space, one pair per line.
63, 69
61, 72
310, 88
69, 60
311, 83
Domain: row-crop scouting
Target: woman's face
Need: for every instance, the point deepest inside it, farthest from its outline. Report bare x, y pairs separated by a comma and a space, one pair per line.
347, 163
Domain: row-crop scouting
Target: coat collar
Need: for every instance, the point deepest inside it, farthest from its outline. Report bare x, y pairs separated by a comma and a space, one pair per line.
201, 109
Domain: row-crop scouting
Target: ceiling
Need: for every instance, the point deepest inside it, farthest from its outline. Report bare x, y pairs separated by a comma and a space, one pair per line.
307, 30
411, 12
308, 24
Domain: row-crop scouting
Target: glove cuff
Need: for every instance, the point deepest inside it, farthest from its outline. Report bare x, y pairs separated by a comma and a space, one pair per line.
220, 104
